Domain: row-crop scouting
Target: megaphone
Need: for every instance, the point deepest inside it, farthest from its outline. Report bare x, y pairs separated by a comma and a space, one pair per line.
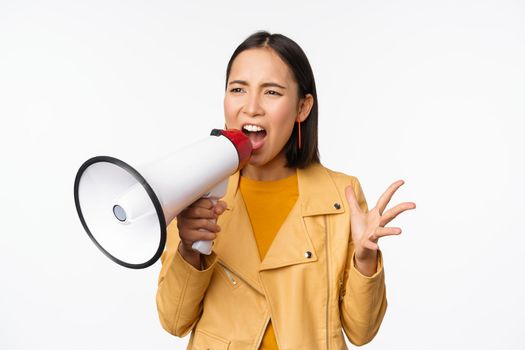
125, 211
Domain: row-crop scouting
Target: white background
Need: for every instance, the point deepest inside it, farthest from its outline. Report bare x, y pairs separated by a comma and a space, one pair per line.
428, 91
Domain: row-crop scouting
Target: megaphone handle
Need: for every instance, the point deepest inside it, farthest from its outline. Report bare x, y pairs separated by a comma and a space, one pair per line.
204, 247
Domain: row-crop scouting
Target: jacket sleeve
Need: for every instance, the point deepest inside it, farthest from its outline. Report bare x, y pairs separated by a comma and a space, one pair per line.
363, 298
181, 287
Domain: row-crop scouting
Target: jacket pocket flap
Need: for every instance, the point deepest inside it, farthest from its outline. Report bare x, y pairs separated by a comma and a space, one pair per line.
207, 341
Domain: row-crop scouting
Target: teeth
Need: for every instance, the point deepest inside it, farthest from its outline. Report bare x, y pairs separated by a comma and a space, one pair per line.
252, 128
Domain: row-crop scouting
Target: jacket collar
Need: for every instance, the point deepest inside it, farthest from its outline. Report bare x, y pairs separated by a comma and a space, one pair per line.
318, 194
236, 247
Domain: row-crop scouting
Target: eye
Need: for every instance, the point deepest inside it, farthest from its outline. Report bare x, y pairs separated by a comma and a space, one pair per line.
273, 92
237, 90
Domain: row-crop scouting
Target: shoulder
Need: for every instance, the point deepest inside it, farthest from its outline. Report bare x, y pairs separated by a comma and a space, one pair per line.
321, 188
340, 179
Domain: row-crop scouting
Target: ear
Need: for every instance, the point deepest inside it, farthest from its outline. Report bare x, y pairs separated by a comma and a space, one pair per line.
305, 106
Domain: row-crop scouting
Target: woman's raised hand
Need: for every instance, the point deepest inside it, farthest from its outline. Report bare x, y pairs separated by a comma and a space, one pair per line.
367, 228
198, 222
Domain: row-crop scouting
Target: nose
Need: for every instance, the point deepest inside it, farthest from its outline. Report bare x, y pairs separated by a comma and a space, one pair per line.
253, 107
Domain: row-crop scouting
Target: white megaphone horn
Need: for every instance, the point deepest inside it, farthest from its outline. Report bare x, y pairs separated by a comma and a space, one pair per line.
125, 212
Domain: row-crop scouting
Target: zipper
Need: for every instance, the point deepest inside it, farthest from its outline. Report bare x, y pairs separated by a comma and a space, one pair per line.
234, 282
327, 285
262, 332
229, 275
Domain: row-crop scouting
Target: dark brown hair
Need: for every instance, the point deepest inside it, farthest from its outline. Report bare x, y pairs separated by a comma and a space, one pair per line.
295, 58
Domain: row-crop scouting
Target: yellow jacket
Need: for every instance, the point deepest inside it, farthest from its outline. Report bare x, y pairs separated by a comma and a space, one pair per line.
307, 282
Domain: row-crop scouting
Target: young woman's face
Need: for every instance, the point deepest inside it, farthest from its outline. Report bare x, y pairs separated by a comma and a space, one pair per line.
262, 100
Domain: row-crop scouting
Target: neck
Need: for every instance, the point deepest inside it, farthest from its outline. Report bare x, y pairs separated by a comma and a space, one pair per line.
271, 171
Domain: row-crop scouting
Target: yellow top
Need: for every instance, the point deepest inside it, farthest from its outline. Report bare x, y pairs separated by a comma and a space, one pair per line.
268, 204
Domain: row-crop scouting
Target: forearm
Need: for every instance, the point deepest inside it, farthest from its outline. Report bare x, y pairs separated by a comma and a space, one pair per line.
180, 292
364, 303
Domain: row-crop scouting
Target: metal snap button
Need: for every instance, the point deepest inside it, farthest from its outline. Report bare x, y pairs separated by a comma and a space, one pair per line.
308, 254
337, 206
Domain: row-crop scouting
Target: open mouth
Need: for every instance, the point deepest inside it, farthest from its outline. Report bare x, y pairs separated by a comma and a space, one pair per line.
256, 134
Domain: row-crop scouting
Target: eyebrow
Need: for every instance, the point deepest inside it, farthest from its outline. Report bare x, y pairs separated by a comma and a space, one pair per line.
268, 84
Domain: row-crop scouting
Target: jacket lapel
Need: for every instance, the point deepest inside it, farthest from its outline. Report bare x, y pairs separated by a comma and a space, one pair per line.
318, 195
292, 244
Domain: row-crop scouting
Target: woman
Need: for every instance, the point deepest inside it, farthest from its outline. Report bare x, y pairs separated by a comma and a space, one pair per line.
295, 258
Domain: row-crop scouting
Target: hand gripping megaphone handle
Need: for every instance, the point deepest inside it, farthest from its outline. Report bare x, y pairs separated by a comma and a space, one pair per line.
205, 247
